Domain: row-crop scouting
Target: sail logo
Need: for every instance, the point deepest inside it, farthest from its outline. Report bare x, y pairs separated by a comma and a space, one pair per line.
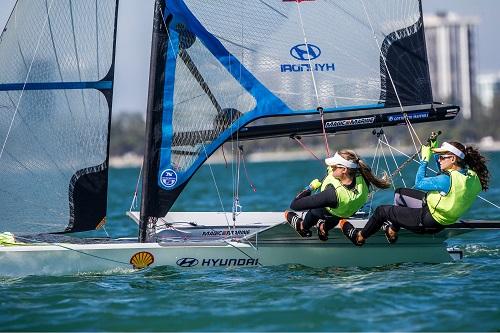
299, 1
307, 53
226, 232
168, 178
230, 262
187, 262
349, 122
401, 117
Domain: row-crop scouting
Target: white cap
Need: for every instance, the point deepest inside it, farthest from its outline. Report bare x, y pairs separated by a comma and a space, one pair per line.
337, 159
446, 147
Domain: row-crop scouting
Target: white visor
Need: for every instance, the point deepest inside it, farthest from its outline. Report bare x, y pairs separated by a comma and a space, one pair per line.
446, 147
339, 160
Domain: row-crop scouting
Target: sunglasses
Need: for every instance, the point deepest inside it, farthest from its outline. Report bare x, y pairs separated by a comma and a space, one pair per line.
442, 157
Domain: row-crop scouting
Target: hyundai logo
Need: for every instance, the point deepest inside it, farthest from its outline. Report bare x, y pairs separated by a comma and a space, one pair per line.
187, 262
305, 52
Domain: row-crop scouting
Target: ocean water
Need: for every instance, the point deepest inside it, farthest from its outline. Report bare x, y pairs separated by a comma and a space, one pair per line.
459, 296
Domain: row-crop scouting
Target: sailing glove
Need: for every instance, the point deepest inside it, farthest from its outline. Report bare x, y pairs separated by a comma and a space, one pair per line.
426, 153
314, 185
434, 143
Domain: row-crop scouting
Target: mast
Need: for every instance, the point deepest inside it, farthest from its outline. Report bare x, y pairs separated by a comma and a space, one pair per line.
153, 119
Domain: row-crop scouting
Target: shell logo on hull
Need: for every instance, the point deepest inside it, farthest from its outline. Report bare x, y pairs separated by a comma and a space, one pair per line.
142, 260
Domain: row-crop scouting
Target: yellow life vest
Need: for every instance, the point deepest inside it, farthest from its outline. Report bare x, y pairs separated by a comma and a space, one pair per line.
349, 200
447, 208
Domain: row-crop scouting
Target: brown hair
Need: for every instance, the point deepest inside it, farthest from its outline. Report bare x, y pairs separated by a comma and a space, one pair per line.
365, 170
474, 160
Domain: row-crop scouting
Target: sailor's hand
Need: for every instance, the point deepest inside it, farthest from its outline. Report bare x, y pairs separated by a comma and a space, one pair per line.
314, 185
433, 139
426, 153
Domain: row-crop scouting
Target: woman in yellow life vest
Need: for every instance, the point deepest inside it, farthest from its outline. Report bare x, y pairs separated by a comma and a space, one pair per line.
436, 201
342, 193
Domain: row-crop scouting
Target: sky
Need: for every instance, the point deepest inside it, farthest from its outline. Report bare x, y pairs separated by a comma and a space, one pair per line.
134, 42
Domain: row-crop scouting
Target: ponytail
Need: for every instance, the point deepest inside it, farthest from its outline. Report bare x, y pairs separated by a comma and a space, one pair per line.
475, 161
365, 170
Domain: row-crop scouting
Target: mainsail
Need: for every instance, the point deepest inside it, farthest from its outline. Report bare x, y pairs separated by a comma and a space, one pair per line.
56, 86
219, 65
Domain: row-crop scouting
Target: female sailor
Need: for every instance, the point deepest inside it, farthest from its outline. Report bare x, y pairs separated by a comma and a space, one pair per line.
342, 193
446, 196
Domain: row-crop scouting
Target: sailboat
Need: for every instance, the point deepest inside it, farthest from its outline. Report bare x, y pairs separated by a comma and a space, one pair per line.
217, 69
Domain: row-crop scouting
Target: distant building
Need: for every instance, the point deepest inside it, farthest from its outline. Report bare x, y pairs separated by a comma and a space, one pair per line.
452, 60
488, 85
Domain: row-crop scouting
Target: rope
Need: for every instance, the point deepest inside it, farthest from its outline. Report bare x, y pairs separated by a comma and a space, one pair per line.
394, 160
215, 183
387, 166
320, 110
304, 146
245, 169
372, 194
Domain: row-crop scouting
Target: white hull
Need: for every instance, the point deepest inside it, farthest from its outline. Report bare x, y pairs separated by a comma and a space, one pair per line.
276, 245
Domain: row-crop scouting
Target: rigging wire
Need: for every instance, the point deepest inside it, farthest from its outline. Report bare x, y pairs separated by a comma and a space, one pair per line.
134, 199
387, 166
215, 183
308, 54
236, 206
372, 193
319, 108
299, 141
246, 171
394, 160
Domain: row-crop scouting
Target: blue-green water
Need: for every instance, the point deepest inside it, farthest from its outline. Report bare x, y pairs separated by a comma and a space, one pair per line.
460, 296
